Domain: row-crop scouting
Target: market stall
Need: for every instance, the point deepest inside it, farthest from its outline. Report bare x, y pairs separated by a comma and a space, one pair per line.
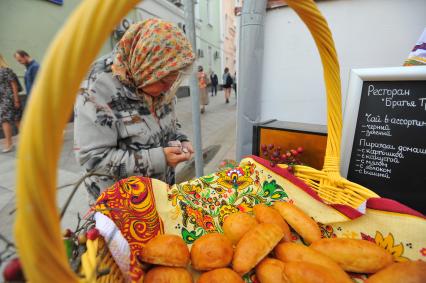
140, 229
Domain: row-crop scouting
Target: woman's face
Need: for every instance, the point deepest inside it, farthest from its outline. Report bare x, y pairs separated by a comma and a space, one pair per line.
163, 85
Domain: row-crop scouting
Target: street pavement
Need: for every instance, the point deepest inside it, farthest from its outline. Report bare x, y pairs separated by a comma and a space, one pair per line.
218, 127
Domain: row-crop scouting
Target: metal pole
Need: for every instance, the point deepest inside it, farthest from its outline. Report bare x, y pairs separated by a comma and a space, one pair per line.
193, 86
250, 73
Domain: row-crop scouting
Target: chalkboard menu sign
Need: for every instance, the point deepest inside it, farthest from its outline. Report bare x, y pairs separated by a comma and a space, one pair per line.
388, 152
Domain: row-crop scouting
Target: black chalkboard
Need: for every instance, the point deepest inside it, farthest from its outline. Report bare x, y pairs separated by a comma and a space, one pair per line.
389, 148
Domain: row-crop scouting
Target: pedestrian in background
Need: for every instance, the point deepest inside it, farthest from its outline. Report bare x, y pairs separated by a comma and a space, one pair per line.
10, 106
235, 83
227, 84
32, 68
202, 85
214, 82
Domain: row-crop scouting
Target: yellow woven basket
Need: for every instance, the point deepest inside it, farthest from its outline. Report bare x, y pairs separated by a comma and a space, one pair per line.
37, 226
328, 182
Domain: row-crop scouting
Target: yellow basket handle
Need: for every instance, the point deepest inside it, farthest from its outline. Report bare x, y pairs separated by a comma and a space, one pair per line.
317, 25
37, 226
37, 229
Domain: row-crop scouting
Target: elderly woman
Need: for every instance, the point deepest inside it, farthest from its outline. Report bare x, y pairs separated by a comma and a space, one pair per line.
125, 123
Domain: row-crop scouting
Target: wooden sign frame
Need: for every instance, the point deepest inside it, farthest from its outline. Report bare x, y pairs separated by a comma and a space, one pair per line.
350, 115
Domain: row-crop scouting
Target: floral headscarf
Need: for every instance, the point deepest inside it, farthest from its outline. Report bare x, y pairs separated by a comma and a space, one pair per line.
149, 51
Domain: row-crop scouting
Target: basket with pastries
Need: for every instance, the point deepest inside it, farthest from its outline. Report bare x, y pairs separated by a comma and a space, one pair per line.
254, 222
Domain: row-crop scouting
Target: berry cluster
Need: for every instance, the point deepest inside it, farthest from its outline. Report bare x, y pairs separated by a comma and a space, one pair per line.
75, 242
75, 246
275, 155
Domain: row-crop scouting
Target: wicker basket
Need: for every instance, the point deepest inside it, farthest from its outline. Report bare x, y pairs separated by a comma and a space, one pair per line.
37, 226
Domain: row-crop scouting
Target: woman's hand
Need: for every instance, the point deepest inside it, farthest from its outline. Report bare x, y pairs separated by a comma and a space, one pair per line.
188, 146
175, 155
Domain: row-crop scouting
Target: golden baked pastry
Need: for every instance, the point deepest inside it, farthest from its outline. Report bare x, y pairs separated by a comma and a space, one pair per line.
271, 270
220, 275
236, 225
304, 272
401, 272
164, 274
354, 255
167, 250
255, 245
297, 252
211, 251
266, 214
304, 225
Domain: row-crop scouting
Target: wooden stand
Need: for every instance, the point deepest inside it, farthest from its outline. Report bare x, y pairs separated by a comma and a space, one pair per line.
290, 135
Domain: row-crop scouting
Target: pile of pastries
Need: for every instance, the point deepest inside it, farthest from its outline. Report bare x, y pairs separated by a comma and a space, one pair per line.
263, 242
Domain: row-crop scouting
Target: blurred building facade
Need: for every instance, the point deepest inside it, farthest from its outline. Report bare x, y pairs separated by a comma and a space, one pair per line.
31, 26
208, 32
228, 35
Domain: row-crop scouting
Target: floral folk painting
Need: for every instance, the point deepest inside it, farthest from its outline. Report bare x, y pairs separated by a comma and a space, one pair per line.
201, 205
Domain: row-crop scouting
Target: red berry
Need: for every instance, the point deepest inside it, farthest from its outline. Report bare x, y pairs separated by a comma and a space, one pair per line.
288, 154
263, 147
13, 271
283, 156
67, 233
294, 152
93, 234
300, 149
270, 146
